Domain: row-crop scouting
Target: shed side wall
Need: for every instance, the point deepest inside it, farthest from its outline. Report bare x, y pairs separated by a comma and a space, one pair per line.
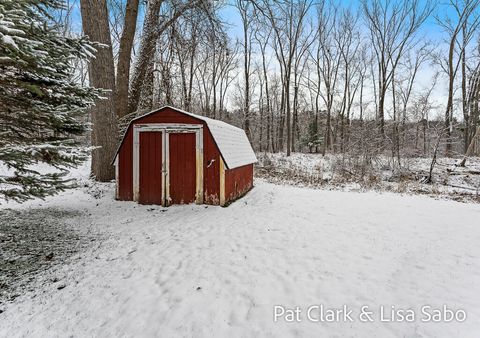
238, 181
211, 169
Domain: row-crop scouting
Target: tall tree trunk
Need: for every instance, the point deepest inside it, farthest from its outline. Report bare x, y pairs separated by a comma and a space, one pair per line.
281, 125
295, 113
327, 142
102, 75
289, 114
381, 115
246, 59
449, 108
396, 118
261, 111
191, 73
342, 111
124, 56
466, 131
267, 94
361, 98
146, 53
146, 98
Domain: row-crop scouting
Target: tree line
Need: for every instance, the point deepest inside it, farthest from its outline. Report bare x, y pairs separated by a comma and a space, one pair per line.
300, 76
303, 75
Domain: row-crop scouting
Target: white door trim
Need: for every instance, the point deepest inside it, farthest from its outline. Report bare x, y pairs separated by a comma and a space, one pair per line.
117, 177
222, 182
166, 129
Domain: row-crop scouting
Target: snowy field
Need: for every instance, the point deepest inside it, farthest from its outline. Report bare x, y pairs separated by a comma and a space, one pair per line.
218, 272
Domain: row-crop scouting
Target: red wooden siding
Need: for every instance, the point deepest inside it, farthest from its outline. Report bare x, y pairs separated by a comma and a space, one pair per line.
238, 181
211, 169
182, 167
150, 166
211, 174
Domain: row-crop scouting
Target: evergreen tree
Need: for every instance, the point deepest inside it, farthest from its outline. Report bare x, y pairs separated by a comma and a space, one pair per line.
312, 139
41, 107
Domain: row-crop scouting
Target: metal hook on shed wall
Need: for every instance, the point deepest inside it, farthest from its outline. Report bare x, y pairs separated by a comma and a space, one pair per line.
210, 162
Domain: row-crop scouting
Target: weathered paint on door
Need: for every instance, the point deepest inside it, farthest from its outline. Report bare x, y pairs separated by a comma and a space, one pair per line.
211, 155
182, 171
150, 168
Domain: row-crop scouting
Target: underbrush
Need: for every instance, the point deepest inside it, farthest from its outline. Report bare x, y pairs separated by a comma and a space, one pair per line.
378, 173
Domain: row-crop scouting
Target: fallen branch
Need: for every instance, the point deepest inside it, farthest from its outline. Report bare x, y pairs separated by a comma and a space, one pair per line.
472, 172
461, 187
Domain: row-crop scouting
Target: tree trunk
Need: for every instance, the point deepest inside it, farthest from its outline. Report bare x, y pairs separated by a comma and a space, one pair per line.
267, 94
289, 114
281, 125
246, 69
328, 123
191, 73
466, 131
124, 56
295, 115
424, 125
261, 111
102, 75
145, 56
449, 108
146, 98
470, 148
381, 116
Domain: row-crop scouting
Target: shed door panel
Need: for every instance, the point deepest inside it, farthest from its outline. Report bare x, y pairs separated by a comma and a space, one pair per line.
182, 171
150, 171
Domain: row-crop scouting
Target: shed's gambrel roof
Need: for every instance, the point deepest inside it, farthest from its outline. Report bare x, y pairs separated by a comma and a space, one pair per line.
232, 142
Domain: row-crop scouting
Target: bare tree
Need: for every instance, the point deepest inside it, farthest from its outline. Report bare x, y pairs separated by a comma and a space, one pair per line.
305, 41
245, 8
456, 27
348, 43
404, 84
327, 60
287, 19
474, 114
392, 27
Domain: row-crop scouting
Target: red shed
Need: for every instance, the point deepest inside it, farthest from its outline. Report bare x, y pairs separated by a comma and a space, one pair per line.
170, 156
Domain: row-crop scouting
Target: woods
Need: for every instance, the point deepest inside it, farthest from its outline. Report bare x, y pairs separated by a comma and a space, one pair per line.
309, 77
397, 79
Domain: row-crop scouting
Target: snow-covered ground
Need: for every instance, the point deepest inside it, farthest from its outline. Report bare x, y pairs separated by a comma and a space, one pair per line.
218, 272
